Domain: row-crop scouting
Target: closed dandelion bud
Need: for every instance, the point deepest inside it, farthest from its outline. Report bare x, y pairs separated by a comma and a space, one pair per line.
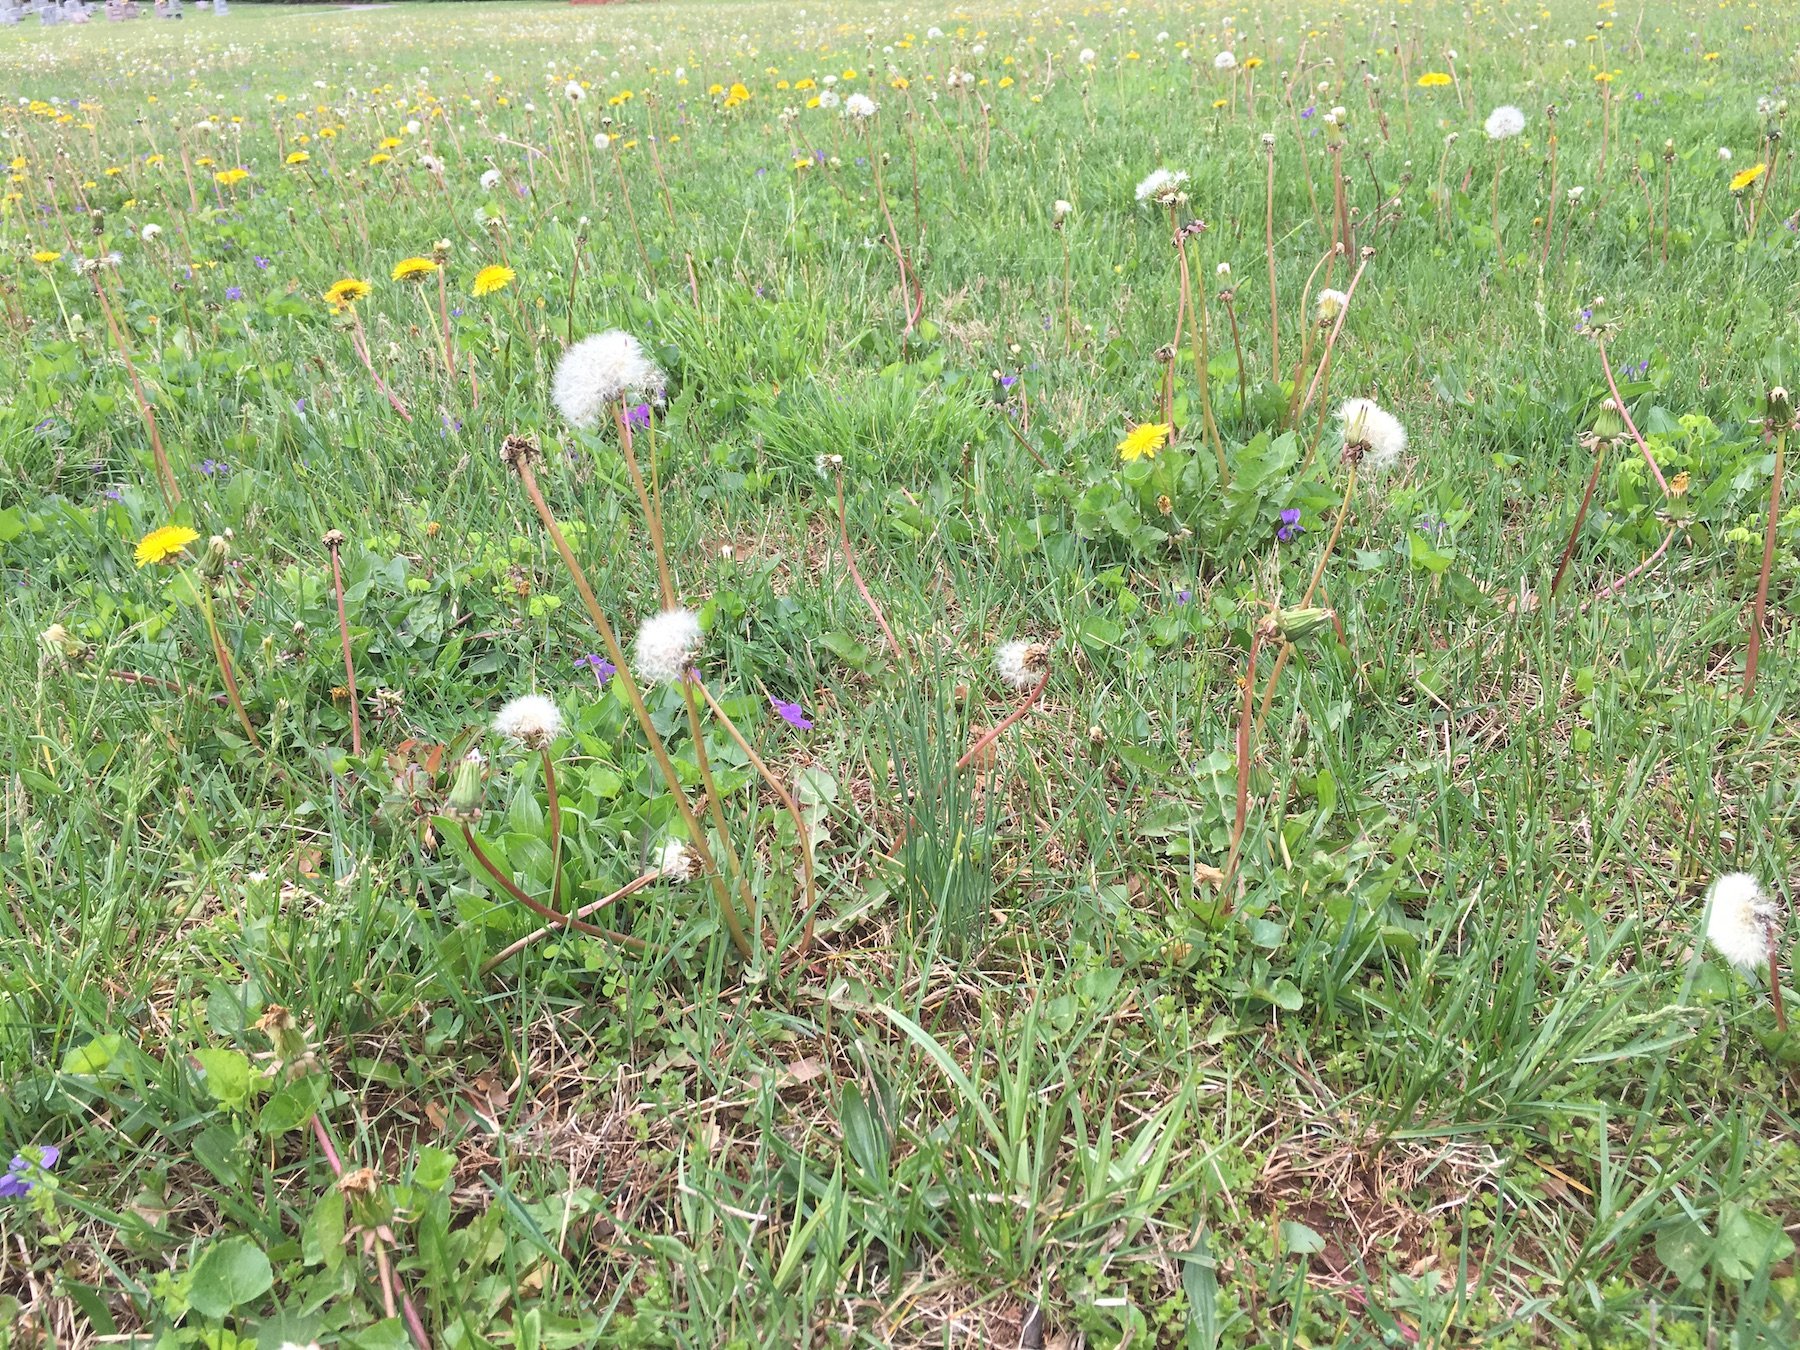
466, 788
1781, 409
1608, 425
369, 1207
218, 557
1297, 625
1668, 152
440, 252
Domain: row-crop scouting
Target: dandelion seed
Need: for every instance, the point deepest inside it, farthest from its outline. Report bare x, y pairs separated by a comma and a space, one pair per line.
1372, 434
1504, 123
1021, 663
1162, 186
1225, 61
1739, 921
531, 719
1328, 304
1061, 211
667, 644
598, 371
675, 861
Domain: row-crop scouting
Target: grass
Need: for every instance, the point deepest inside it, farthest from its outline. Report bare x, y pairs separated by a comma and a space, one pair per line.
1445, 1061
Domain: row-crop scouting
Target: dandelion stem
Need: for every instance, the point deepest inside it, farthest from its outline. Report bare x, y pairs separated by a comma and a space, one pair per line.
715, 801
634, 696
334, 542
652, 514
1775, 979
555, 827
165, 474
1580, 517
1625, 413
802, 832
1274, 295
1759, 609
505, 954
1282, 657
1241, 815
993, 733
856, 574
538, 907
223, 657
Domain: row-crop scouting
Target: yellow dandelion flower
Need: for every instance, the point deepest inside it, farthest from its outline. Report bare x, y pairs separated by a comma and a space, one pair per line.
491, 279
1434, 79
1746, 177
298, 157
379, 158
347, 292
164, 543
1220, 102
1253, 62
1143, 441
414, 269
45, 256
231, 177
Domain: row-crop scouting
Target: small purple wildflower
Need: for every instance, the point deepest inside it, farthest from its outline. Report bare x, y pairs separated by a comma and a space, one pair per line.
602, 668
638, 417
113, 495
1184, 597
1307, 112
1008, 381
17, 1179
793, 714
211, 467
262, 263
234, 292
1290, 527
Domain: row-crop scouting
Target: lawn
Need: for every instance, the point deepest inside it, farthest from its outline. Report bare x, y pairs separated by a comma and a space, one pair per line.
712, 674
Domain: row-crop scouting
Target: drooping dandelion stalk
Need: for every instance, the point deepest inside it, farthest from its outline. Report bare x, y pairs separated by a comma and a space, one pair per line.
1780, 420
994, 732
1601, 446
334, 541
1241, 811
593, 907
538, 907
862, 587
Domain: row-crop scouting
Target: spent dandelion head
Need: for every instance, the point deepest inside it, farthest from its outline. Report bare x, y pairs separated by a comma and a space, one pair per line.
1504, 122
1373, 437
532, 720
666, 645
1740, 919
1328, 304
1021, 663
598, 371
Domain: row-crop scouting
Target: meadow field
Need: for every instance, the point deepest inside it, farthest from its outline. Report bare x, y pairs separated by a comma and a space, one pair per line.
845, 674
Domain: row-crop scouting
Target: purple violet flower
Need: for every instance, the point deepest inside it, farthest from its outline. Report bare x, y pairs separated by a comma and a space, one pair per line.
17, 1179
234, 292
638, 417
602, 668
1290, 527
793, 714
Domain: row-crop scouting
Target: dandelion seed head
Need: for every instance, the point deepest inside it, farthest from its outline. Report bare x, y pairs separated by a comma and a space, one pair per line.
530, 719
667, 644
1021, 663
1739, 919
1162, 186
1373, 433
598, 371
675, 861
1504, 123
